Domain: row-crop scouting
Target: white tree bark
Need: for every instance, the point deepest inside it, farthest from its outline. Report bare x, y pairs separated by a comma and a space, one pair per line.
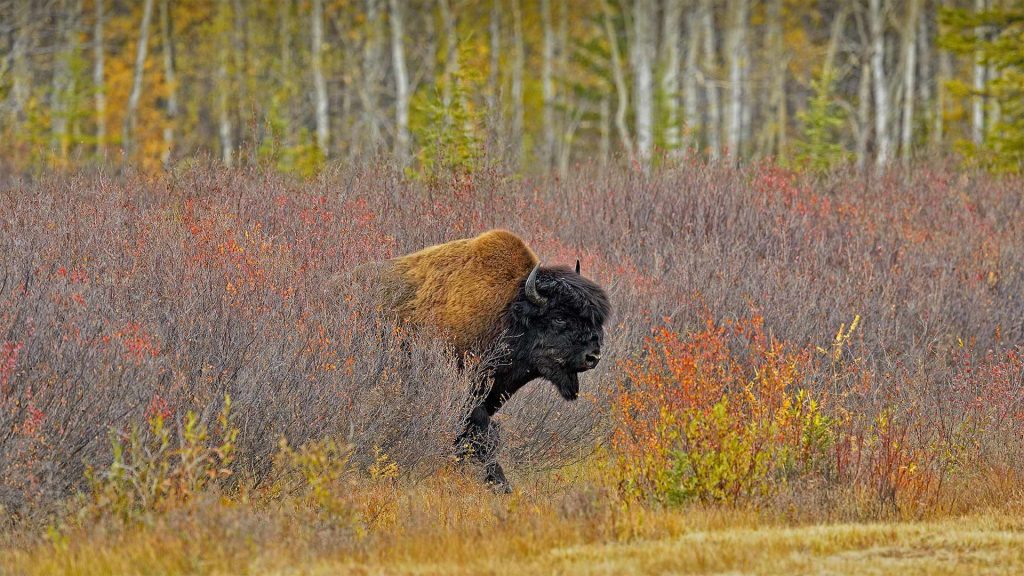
369, 87
548, 84
227, 146
170, 76
64, 78
136, 92
401, 82
494, 74
876, 23
690, 95
643, 37
451, 53
619, 78
99, 80
518, 71
735, 49
21, 80
323, 130
978, 84
672, 22
710, 72
909, 77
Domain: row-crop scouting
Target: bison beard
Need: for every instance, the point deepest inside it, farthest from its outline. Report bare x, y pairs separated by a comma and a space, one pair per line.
490, 297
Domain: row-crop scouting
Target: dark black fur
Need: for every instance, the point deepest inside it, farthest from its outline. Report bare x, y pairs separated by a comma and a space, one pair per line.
555, 341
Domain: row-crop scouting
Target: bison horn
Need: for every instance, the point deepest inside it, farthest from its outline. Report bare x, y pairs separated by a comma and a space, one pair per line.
531, 288
577, 265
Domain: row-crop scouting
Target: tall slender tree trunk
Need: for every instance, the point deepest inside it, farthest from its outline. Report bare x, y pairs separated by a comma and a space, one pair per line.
287, 85
925, 72
240, 67
99, 80
227, 146
643, 37
714, 122
451, 55
493, 96
876, 23
323, 131
619, 77
64, 80
371, 73
672, 22
548, 84
401, 82
909, 78
568, 116
518, 71
690, 96
21, 81
978, 84
780, 60
170, 76
136, 93
863, 119
735, 49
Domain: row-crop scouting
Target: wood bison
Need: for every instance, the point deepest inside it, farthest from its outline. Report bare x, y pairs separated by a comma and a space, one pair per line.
489, 296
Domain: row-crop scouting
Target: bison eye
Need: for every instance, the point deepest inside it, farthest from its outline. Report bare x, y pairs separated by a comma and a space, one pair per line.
558, 322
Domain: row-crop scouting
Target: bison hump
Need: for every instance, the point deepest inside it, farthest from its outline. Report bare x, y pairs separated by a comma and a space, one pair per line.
463, 287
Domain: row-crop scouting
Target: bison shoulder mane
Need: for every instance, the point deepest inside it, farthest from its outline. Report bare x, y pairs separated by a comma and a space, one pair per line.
461, 287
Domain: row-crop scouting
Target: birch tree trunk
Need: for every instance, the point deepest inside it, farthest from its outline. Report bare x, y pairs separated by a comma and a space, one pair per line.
690, 96
735, 48
401, 82
714, 123
62, 96
323, 130
371, 73
494, 75
518, 71
287, 85
876, 23
547, 84
776, 47
451, 55
619, 77
672, 21
909, 77
978, 84
21, 81
642, 55
167, 39
925, 75
136, 93
227, 146
99, 81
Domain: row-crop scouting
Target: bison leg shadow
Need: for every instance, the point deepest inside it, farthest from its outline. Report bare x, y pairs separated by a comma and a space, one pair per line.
479, 441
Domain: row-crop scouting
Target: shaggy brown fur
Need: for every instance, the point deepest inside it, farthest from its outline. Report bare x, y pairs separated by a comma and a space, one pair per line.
460, 287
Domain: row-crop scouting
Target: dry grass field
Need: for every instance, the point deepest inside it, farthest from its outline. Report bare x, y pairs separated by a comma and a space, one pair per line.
802, 374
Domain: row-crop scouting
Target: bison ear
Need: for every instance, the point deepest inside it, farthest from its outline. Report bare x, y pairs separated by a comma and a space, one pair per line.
577, 265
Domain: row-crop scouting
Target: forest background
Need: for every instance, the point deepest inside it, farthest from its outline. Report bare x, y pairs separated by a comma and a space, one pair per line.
538, 84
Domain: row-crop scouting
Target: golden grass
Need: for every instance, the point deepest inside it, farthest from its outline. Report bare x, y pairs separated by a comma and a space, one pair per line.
449, 524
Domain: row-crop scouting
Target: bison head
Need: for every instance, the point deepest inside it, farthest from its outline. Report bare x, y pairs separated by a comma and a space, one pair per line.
558, 319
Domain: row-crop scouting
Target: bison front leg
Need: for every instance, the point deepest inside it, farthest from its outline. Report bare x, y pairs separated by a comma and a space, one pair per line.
480, 440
